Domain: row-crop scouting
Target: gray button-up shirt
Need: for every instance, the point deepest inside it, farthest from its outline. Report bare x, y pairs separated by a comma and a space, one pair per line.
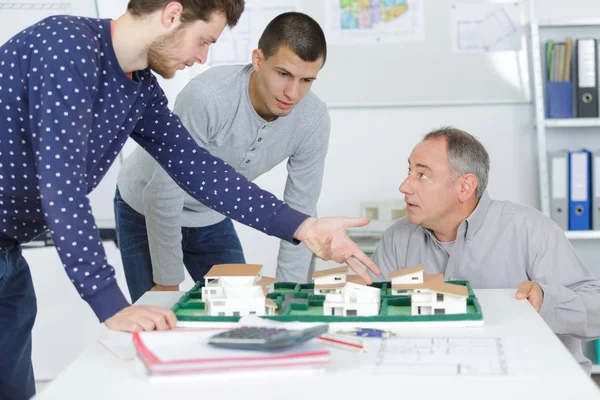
500, 245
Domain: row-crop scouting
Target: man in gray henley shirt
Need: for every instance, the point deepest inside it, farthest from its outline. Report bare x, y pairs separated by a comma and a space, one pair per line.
254, 117
454, 228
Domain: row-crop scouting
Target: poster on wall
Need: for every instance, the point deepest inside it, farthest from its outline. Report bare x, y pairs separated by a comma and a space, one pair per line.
485, 27
349, 22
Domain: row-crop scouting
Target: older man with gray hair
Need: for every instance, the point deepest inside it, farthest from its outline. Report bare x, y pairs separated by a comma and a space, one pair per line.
454, 228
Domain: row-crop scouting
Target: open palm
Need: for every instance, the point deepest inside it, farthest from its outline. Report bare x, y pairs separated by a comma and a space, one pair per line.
327, 239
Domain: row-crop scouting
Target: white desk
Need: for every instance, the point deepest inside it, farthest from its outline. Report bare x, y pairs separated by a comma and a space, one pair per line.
97, 374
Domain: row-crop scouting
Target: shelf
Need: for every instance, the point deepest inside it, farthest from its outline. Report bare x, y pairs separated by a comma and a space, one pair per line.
568, 23
573, 235
571, 122
595, 369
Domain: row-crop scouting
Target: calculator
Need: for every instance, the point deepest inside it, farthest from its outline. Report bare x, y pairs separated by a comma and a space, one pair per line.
265, 338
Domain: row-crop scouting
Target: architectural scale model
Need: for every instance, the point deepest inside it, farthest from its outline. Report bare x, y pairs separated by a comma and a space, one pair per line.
429, 293
346, 295
237, 290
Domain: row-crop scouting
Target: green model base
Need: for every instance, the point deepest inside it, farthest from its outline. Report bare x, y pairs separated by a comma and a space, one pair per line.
308, 307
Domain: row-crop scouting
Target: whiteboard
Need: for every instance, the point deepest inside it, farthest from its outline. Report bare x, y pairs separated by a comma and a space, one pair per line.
425, 72
414, 62
19, 14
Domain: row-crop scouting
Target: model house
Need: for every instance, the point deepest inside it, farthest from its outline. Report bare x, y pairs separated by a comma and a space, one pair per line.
411, 280
237, 290
346, 295
441, 298
355, 300
330, 280
429, 293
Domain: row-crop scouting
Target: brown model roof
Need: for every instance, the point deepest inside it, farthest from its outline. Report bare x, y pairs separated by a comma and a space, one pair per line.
356, 279
219, 270
427, 280
407, 271
332, 271
449, 288
266, 281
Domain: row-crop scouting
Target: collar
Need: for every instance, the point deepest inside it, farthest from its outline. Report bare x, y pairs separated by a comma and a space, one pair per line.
470, 226
474, 222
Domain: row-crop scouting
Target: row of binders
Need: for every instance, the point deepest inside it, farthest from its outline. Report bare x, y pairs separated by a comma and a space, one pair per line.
572, 78
575, 189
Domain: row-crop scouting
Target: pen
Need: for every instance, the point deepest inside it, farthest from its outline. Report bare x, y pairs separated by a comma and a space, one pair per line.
368, 332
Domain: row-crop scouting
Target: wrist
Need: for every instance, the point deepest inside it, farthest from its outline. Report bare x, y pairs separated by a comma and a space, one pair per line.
302, 231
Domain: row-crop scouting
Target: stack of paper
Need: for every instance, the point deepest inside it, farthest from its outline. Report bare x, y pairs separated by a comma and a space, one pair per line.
180, 352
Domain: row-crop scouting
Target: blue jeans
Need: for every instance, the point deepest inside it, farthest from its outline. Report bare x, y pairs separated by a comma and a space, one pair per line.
18, 308
202, 248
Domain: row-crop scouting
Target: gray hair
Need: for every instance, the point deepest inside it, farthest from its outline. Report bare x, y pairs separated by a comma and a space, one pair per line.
466, 155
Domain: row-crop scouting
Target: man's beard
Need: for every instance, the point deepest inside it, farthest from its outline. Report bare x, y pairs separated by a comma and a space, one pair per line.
157, 61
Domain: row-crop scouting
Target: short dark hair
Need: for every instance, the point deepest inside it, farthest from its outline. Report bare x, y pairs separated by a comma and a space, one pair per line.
466, 154
193, 10
302, 34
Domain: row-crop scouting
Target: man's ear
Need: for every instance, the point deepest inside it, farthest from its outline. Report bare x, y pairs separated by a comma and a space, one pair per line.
468, 187
257, 59
171, 15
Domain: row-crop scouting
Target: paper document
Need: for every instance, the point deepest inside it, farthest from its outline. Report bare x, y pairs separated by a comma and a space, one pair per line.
485, 27
449, 356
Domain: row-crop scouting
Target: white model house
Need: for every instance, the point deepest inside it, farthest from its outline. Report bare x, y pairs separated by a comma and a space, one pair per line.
346, 295
355, 300
411, 280
441, 298
429, 293
237, 290
330, 280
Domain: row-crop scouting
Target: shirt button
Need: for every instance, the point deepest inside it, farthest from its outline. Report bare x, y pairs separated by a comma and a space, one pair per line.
247, 161
252, 149
260, 139
263, 127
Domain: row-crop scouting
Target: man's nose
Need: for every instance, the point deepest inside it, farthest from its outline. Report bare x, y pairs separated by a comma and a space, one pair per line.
405, 186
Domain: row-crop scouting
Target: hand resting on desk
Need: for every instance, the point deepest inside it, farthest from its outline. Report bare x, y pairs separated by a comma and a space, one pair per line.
142, 318
531, 291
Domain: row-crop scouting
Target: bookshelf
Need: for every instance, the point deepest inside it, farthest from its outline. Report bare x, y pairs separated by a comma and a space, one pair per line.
582, 235
572, 123
557, 134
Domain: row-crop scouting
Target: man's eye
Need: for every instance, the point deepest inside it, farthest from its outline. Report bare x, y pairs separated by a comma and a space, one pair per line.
422, 175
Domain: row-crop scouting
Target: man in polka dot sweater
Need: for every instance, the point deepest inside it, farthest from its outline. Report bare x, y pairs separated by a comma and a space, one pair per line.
252, 116
71, 92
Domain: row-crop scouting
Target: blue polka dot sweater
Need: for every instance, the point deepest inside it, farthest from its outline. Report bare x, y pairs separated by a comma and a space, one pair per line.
66, 109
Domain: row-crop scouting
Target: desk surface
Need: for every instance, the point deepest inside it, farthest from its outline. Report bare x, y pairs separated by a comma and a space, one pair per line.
98, 374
